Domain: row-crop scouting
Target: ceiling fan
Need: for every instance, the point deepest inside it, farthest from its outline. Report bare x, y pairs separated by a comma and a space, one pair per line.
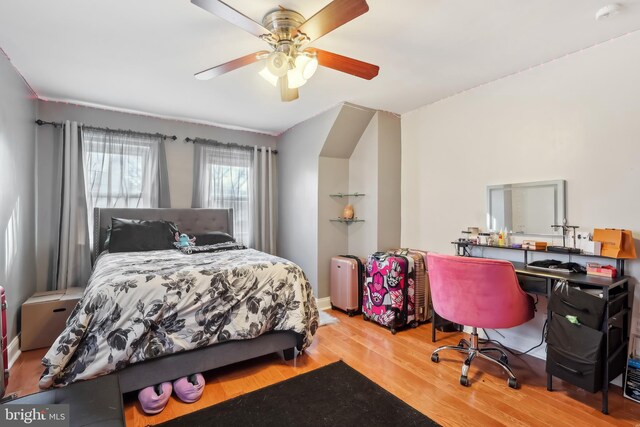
290, 63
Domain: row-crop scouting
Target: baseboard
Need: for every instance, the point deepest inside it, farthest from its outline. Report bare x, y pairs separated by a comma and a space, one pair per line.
13, 351
323, 303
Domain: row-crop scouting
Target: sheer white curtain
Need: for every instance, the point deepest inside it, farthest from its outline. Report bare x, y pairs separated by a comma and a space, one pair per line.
73, 255
124, 169
264, 200
222, 179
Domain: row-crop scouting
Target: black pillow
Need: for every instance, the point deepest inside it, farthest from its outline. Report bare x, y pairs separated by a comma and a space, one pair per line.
213, 238
139, 235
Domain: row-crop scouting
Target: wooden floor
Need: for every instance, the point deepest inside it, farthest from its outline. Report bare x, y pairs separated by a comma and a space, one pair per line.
400, 364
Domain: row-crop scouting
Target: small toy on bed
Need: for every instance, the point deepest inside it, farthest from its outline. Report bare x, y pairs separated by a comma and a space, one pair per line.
184, 241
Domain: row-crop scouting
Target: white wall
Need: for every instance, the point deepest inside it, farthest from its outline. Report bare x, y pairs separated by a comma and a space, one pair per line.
17, 191
575, 118
299, 150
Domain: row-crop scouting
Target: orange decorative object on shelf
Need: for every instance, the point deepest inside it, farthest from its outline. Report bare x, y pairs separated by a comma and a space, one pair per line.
347, 212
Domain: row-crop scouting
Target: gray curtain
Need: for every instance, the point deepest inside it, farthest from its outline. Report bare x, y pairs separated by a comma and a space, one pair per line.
264, 201
164, 197
74, 254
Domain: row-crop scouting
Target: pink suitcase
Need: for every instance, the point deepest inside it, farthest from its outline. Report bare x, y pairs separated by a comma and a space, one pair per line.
347, 275
422, 291
4, 375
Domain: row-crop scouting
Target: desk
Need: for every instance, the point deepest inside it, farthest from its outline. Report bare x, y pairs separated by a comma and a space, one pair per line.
615, 293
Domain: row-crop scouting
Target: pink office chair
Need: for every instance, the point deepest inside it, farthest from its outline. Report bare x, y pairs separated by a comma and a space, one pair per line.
480, 293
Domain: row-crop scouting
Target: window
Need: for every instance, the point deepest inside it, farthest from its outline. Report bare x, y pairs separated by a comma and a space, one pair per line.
120, 169
230, 189
223, 179
115, 179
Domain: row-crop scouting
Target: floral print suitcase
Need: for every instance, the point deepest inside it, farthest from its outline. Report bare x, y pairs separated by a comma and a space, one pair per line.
388, 294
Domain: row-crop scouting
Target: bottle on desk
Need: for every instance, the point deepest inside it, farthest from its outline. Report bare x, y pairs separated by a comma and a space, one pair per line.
501, 237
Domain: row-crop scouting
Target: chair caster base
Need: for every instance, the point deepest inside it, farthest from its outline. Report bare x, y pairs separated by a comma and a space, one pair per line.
435, 358
464, 380
513, 383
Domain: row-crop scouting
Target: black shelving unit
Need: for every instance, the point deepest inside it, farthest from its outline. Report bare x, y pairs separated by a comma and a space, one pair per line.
603, 334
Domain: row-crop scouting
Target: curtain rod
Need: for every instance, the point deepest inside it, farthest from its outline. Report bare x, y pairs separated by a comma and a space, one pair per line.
230, 144
55, 125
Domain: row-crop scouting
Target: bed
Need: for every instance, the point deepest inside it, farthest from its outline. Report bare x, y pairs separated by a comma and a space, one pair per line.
155, 316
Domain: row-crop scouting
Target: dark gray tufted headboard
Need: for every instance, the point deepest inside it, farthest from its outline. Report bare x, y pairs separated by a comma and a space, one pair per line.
190, 221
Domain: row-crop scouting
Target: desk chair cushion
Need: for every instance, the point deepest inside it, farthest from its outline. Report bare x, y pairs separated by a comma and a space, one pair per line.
478, 292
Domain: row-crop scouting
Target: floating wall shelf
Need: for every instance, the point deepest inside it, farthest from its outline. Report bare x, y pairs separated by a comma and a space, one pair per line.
345, 220
356, 194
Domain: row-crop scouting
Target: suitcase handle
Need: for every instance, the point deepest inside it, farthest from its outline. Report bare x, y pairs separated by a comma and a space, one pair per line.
58, 310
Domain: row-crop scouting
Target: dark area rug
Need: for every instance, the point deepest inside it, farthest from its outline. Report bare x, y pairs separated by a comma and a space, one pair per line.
334, 395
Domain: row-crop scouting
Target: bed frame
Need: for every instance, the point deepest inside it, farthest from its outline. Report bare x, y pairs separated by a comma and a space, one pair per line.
168, 368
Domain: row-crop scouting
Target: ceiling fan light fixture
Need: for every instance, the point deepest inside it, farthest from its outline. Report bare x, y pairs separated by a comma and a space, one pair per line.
307, 65
295, 78
278, 64
268, 76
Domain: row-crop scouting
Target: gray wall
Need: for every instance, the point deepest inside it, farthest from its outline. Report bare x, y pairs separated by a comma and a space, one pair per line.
363, 178
345, 150
179, 161
389, 159
17, 191
333, 178
299, 150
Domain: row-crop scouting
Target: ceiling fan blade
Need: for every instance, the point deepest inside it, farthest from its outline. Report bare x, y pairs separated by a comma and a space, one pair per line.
287, 94
230, 66
332, 16
345, 64
231, 15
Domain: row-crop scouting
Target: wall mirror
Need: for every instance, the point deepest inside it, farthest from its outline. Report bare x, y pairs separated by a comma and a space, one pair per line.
529, 208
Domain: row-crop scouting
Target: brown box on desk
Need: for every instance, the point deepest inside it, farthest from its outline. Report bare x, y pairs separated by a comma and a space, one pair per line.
44, 316
534, 245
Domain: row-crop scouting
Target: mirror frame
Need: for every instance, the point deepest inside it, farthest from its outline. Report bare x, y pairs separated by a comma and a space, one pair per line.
560, 201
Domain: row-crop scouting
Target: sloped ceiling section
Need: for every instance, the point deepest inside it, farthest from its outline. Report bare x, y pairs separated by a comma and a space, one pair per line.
346, 131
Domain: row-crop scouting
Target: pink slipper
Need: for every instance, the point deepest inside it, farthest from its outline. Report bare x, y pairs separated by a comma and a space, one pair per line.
189, 389
154, 398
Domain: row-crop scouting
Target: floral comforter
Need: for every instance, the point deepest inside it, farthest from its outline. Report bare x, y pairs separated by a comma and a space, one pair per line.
138, 306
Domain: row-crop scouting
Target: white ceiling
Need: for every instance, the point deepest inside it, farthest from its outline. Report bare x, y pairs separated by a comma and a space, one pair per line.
140, 55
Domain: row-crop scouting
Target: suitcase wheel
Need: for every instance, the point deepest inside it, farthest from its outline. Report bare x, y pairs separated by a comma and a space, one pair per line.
351, 313
333, 307
414, 324
393, 331
465, 381
365, 317
435, 358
